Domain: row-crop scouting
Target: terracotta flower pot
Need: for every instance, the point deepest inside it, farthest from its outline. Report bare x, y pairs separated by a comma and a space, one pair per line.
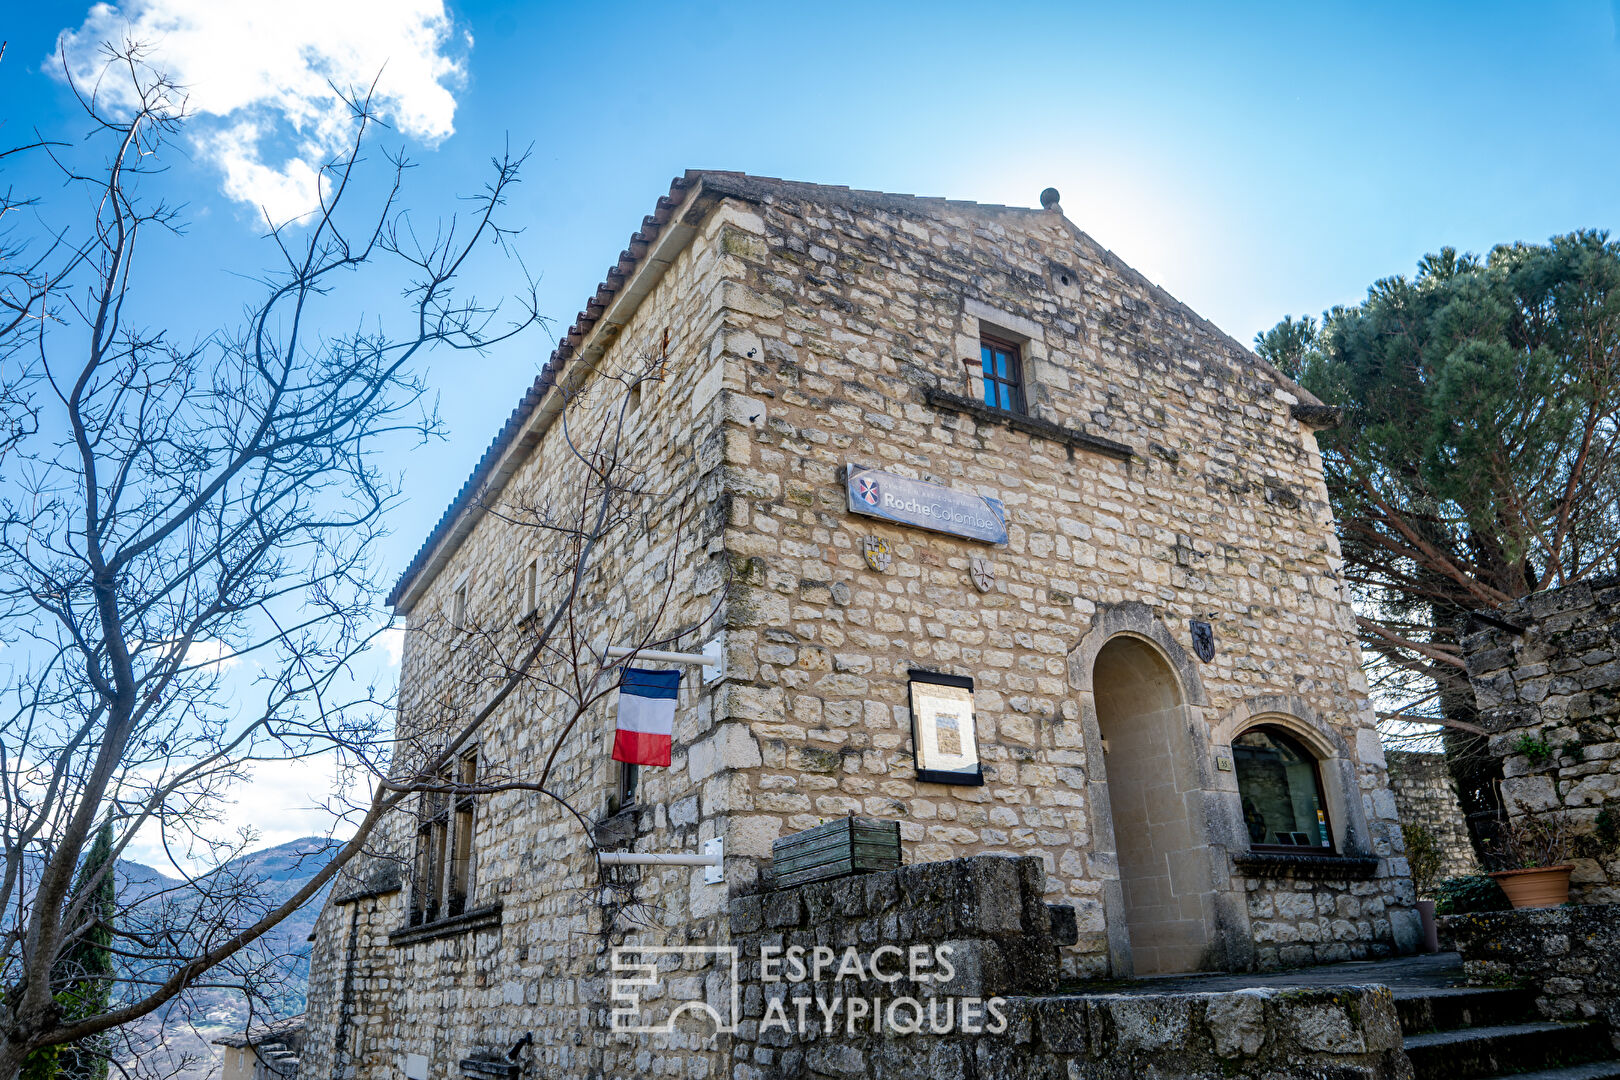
1431, 932
1541, 886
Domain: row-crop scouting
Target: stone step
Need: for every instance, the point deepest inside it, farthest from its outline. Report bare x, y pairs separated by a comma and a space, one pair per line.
1494, 1050
1594, 1070
1443, 1010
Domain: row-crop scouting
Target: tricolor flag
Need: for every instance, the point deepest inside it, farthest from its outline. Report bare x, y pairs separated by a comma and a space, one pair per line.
646, 716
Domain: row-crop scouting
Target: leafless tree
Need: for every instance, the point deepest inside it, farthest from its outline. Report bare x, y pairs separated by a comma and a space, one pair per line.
172, 508
169, 510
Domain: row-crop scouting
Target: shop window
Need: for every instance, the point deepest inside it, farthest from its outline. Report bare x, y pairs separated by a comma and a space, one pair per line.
1281, 786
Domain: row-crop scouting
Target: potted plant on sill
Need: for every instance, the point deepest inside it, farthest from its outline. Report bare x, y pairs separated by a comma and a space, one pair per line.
1536, 851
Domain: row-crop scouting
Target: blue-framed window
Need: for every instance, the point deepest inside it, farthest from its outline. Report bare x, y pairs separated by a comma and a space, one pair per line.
1003, 374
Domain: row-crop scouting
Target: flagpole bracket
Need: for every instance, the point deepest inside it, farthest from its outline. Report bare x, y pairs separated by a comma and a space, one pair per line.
715, 873
713, 859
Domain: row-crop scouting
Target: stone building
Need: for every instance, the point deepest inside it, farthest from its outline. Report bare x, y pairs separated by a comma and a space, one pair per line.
1546, 678
1426, 796
908, 449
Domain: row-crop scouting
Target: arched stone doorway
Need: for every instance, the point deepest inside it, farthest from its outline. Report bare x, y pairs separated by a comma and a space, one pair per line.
1156, 800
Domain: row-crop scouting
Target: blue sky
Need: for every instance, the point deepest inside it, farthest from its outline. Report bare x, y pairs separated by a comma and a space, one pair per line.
1255, 160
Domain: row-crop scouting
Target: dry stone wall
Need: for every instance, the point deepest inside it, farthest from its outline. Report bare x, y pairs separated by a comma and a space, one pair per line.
1550, 698
1566, 953
1425, 797
1000, 1015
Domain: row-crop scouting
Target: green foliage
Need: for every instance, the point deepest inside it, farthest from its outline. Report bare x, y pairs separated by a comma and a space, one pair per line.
1479, 457
84, 974
1532, 747
1466, 895
1422, 857
1607, 826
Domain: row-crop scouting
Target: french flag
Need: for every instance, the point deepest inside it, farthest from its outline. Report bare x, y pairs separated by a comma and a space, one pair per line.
646, 716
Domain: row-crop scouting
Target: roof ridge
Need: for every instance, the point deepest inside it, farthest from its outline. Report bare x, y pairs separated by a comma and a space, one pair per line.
752, 188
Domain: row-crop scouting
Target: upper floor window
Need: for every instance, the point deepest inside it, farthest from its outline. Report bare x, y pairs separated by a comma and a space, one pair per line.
1003, 374
1281, 787
444, 844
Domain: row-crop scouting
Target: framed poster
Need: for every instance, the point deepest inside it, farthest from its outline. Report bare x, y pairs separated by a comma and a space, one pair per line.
943, 736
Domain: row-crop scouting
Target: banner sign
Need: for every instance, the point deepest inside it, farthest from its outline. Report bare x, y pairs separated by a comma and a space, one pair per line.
925, 506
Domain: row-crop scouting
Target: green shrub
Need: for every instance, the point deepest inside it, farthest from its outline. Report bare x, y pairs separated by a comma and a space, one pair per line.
1423, 857
1533, 747
1464, 895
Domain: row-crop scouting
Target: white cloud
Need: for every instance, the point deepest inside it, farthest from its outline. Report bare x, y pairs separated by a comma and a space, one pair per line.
393, 643
201, 653
258, 75
281, 801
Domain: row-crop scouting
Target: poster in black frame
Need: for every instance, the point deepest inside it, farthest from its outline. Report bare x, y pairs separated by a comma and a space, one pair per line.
944, 734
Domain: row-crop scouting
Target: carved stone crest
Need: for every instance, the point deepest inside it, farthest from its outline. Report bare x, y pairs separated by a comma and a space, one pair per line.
983, 573
878, 554
1203, 639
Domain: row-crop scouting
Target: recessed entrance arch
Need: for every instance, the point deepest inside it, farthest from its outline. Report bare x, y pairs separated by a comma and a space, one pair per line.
1157, 808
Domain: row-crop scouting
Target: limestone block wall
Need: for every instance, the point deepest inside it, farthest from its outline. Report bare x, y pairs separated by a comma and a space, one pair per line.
848, 323
1000, 1015
1550, 697
531, 956
1424, 796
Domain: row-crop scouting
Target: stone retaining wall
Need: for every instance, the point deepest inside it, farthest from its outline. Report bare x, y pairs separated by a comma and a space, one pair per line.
1424, 796
989, 911
1567, 953
1550, 698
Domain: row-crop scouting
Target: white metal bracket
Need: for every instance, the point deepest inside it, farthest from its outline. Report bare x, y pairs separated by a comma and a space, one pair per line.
715, 872
716, 670
713, 859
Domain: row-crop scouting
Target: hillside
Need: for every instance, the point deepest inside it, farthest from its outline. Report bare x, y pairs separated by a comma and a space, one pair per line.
185, 1033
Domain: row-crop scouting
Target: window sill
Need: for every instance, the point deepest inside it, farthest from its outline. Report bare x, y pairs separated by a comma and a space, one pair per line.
484, 918
1029, 425
1278, 864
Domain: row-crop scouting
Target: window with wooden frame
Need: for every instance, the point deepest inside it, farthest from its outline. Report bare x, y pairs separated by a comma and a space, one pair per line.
1280, 783
458, 604
445, 837
1003, 369
627, 792
529, 601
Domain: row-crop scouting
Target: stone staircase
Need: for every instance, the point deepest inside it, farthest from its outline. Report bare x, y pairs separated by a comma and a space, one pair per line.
277, 1057
1471, 1034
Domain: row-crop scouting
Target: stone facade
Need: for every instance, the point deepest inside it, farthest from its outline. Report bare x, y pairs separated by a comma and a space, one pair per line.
1567, 954
1549, 694
1426, 797
1162, 474
989, 913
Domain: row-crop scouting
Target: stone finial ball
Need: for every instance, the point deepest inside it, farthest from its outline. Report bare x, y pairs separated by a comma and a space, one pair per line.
1049, 198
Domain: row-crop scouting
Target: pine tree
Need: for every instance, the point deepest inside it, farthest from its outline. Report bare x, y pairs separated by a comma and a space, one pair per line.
1478, 460
86, 970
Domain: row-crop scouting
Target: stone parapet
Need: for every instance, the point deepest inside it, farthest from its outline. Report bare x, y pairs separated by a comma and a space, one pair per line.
1546, 677
988, 909
1568, 954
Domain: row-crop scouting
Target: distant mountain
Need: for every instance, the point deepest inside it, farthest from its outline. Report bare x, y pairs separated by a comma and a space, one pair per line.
281, 871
